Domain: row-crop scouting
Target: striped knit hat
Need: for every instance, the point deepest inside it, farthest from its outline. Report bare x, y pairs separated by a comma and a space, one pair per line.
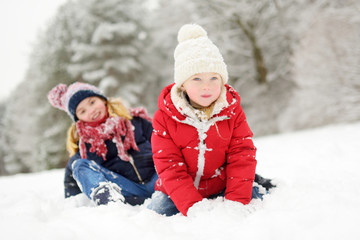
67, 98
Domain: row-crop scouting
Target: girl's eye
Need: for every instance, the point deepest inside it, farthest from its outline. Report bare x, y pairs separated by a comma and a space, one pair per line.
214, 78
196, 79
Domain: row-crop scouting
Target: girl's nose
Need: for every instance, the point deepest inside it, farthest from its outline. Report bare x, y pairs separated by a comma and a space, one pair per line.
206, 86
91, 111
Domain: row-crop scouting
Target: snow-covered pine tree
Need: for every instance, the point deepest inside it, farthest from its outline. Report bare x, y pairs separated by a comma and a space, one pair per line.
18, 133
113, 56
35, 132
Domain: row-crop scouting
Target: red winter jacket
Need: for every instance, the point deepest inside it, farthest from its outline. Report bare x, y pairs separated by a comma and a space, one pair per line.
196, 159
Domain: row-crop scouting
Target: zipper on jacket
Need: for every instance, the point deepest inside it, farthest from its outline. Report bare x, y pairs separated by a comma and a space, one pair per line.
135, 169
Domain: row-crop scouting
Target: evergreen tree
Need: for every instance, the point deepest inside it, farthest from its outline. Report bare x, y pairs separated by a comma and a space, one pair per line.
113, 55
18, 130
35, 134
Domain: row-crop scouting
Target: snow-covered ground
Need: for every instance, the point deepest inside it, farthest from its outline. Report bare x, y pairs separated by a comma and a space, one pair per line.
318, 197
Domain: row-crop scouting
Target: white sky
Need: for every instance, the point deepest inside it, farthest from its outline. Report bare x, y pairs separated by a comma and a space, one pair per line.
20, 22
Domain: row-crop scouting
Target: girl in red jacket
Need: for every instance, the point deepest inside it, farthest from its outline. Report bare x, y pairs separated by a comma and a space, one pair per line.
202, 145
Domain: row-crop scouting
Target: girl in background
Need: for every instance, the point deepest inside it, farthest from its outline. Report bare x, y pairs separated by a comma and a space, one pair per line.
109, 146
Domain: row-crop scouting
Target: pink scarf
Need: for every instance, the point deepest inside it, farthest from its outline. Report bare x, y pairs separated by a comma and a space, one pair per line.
113, 128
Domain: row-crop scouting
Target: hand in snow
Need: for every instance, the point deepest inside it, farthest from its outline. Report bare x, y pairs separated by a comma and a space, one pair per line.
232, 204
237, 208
204, 205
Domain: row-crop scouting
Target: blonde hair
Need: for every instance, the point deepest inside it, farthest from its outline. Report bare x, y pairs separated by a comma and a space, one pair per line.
115, 108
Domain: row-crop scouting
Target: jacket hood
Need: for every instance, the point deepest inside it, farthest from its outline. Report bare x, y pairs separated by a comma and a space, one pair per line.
172, 101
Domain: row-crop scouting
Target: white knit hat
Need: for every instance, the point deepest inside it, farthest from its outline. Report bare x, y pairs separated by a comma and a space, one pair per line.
195, 54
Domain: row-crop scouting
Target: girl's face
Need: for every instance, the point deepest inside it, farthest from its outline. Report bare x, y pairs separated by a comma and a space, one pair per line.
91, 109
203, 88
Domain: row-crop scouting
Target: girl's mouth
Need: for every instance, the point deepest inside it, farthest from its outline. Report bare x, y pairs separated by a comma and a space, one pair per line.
96, 116
206, 96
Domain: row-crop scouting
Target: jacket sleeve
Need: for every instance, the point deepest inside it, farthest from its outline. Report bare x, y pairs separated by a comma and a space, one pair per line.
70, 186
241, 162
171, 167
147, 129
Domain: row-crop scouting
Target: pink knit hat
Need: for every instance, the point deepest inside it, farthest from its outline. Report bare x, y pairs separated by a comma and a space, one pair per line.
68, 98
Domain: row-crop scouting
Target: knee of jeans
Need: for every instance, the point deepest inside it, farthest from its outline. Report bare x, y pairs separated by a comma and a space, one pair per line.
79, 162
83, 164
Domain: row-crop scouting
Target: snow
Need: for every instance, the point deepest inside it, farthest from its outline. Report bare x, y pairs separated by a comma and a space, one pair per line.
317, 198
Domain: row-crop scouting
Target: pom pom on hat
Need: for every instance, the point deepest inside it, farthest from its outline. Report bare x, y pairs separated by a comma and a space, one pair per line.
67, 98
56, 96
190, 31
195, 54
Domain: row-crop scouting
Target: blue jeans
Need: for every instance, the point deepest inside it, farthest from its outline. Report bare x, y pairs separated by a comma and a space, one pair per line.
89, 176
162, 204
